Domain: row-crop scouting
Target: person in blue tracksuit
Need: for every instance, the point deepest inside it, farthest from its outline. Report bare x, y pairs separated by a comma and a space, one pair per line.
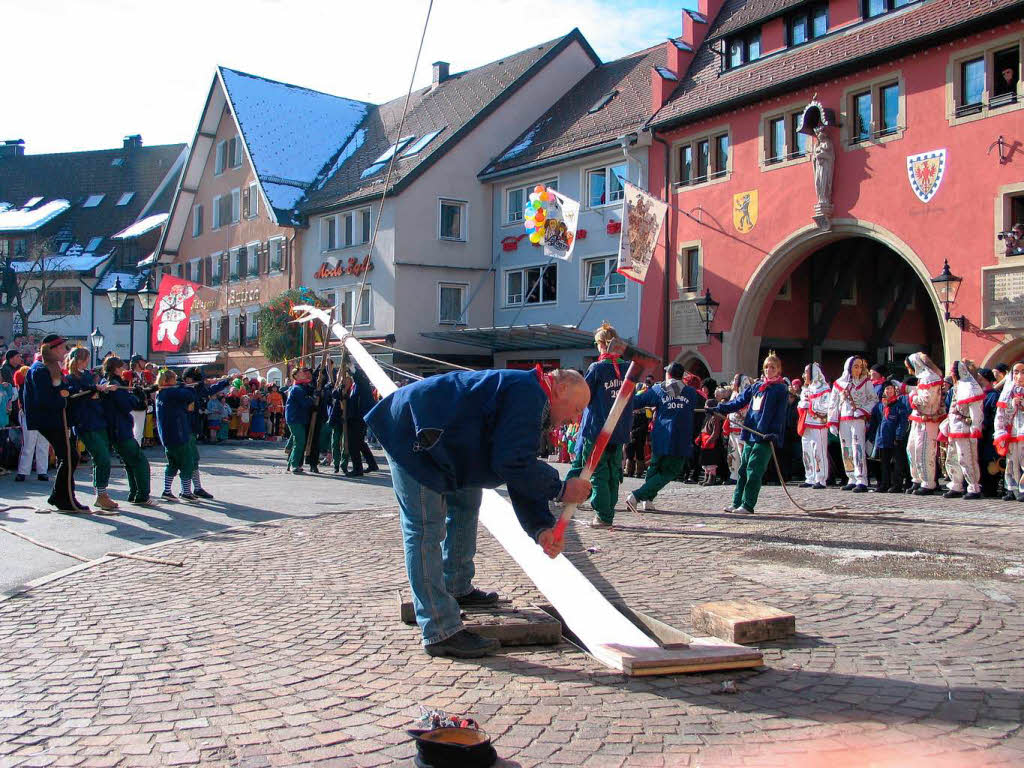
119, 406
888, 430
360, 401
604, 378
174, 406
297, 412
201, 394
447, 438
88, 422
672, 437
763, 427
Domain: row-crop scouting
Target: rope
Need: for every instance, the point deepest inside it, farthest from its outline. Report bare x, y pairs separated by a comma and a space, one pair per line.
38, 543
391, 164
414, 354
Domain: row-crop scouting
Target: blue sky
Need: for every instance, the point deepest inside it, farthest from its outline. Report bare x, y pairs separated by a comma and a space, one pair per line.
80, 74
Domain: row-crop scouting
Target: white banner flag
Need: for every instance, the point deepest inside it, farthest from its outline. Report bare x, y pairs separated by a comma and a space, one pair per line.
560, 227
642, 218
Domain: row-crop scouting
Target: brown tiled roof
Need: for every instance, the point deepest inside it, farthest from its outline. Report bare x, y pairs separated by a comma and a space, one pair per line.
569, 126
455, 105
705, 90
74, 176
737, 14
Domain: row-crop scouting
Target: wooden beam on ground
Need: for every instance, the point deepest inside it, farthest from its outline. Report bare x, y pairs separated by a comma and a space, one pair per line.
742, 621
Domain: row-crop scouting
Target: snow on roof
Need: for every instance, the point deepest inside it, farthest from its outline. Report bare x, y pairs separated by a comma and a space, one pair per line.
283, 197
523, 144
291, 132
130, 281
24, 220
151, 259
141, 227
60, 263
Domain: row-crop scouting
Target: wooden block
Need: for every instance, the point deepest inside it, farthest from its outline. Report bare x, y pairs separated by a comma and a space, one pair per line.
512, 626
742, 621
699, 656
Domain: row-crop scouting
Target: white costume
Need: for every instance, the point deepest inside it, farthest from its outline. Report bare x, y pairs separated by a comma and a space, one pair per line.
33, 445
171, 313
733, 428
848, 413
813, 407
963, 428
1010, 433
926, 411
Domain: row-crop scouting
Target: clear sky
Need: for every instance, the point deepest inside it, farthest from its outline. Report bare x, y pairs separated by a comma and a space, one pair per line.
81, 74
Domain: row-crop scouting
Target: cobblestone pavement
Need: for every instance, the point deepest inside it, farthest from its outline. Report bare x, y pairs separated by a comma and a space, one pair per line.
279, 644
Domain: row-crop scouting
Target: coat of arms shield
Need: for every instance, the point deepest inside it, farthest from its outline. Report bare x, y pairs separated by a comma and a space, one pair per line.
925, 172
744, 211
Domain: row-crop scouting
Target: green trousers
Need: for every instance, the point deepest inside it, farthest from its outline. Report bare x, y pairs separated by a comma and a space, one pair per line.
326, 437
136, 466
752, 466
180, 458
339, 450
604, 492
297, 455
98, 445
662, 471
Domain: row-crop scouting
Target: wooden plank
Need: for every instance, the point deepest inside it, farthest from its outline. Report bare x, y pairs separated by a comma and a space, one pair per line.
742, 621
407, 611
698, 657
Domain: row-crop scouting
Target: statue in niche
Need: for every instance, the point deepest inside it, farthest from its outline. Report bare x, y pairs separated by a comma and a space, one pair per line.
823, 159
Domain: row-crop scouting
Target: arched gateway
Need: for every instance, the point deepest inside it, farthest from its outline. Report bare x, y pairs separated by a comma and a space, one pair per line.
825, 295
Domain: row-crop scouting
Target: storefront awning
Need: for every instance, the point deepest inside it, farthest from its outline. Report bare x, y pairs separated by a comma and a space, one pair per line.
193, 358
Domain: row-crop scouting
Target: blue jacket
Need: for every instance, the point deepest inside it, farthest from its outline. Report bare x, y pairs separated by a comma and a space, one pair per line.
173, 423
299, 407
203, 392
673, 419
767, 412
85, 413
473, 429
886, 431
7, 395
118, 406
604, 386
42, 402
360, 399
986, 448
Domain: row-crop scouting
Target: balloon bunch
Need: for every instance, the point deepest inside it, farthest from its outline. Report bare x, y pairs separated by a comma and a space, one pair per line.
535, 214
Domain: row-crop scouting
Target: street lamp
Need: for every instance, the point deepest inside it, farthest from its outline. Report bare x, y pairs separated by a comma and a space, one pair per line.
96, 340
707, 308
947, 286
117, 294
148, 294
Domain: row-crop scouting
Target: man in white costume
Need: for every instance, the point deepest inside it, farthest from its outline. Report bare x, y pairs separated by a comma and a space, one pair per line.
813, 409
1009, 432
926, 412
963, 428
853, 397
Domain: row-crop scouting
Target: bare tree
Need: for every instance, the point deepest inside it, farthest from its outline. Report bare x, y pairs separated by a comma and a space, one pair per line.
36, 277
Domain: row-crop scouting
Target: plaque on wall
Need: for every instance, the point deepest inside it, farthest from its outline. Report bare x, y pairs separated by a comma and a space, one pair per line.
1003, 297
685, 326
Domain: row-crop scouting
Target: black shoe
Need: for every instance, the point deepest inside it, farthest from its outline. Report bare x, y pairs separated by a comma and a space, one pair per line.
729, 481
912, 489
314, 469
463, 645
21, 479
883, 490
477, 597
337, 469
1008, 496
924, 491
818, 487
374, 468
860, 488
43, 478
953, 494
298, 471
972, 496
806, 485
848, 487
169, 496
360, 473
202, 494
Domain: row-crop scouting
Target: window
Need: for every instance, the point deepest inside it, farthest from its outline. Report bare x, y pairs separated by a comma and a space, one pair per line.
605, 185
239, 264
220, 161
1005, 74
252, 332
451, 303
92, 201
197, 220
252, 201
777, 140
603, 279
215, 328
381, 162
253, 259
235, 327
517, 197
742, 49
276, 254
365, 228
123, 314
328, 233
348, 224
20, 247
874, 8
533, 285
702, 158
62, 301
875, 111
799, 143
93, 244
193, 335
453, 220
344, 230
216, 268
195, 270
420, 145
225, 209
346, 304
806, 24
985, 80
229, 155
125, 198
688, 275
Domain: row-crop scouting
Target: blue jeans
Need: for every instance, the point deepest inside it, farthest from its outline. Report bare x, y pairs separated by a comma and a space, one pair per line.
439, 533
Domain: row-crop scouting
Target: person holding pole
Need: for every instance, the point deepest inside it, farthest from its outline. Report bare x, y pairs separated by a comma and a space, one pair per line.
446, 439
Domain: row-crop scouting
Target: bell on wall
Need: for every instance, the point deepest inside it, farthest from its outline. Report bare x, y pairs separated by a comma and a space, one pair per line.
815, 115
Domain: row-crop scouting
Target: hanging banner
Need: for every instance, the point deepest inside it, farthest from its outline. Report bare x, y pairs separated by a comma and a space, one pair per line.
170, 317
642, 219
560, 232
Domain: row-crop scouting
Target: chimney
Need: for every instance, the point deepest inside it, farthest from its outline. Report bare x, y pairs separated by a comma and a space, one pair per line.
440, 73
13, 148
663, 82
133, 142
678, 56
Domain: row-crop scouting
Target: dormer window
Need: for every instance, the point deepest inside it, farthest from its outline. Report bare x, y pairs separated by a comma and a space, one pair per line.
92, 201
420, 145
806, 24
742, 49
378, 165
600, 103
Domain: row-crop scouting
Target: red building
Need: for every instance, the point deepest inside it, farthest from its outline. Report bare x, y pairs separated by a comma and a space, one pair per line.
820, 249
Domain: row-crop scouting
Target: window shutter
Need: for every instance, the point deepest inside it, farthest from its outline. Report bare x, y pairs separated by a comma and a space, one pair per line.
209, 332
246, 202
254, 200
235, 200
265, 251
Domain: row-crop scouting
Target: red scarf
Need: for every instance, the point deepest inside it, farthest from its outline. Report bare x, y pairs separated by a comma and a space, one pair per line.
766, 382
544, 379
614, 361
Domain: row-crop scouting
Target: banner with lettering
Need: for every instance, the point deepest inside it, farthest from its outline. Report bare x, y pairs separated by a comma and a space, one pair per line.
642, 219
560, 230
170, 315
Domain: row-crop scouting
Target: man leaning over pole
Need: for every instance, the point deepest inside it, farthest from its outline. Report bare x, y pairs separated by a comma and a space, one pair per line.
449, 437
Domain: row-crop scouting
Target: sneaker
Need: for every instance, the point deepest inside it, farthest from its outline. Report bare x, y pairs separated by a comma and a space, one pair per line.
189, 496
631, 503
1008, 496
21, 479
860, 488
463, 645
597, 522
743, 511
169, 496
145, 502
43, 478
730, 508
477, 597
951, 494
202, 494
972, 496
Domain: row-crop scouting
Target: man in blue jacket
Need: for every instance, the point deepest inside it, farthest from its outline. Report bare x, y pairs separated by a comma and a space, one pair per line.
672, 438
360, 401
297, 413
447, 438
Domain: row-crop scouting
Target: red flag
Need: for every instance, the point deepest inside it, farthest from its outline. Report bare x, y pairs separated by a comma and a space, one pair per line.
170, 316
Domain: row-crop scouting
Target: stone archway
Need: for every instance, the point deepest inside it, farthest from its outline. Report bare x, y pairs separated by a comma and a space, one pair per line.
1009, 352
742, 342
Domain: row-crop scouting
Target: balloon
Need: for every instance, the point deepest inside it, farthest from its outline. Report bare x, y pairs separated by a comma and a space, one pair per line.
535, 237
539, 189
530, 230
539, 217
534, 197
237, 383
546, 197
540, 231
536, 204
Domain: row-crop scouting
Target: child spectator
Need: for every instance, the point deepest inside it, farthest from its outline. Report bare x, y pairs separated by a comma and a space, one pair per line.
888, 430
710, 442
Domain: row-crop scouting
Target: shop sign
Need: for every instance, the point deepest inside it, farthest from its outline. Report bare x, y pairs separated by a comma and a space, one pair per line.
352, 267
237, 297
